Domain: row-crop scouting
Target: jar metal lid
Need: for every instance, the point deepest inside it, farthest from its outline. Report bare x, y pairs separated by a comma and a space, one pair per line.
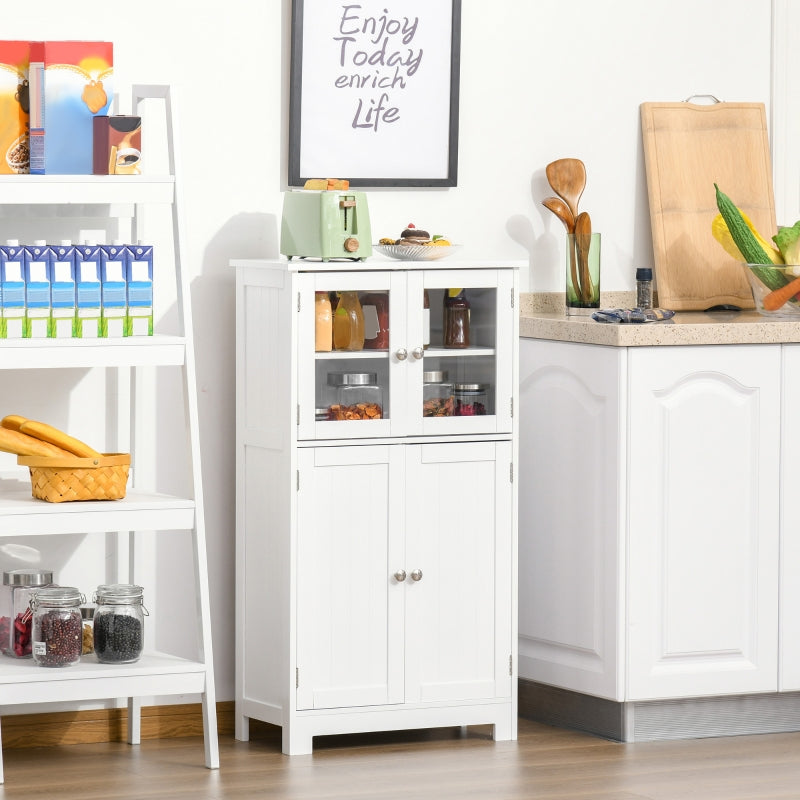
359, 378
28, 577
644, 274
116, 593
470, 387
435, 376
56, 596
87, 612
335, 378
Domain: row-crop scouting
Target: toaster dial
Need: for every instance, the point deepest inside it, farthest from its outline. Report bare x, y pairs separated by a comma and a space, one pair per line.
351, 244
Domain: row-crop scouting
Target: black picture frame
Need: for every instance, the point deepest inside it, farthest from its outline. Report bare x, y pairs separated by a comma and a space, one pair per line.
374, 92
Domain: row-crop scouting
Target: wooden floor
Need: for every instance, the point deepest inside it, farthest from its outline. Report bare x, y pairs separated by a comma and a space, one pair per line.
440, 765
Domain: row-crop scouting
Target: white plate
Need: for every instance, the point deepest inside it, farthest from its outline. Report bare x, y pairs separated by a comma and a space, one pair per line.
416, 252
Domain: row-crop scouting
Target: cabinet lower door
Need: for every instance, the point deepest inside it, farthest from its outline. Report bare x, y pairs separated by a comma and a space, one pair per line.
703, 529
458, 544
349, 605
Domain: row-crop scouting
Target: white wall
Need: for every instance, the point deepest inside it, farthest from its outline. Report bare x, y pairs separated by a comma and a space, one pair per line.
539, 81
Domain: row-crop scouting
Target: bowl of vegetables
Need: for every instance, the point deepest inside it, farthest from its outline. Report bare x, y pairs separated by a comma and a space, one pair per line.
772, 267
776, 289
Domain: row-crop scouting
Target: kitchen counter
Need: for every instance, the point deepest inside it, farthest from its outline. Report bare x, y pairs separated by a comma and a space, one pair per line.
543, 317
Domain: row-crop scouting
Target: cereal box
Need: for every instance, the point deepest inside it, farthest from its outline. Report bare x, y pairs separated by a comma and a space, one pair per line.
70, 84
117, 145
14, 105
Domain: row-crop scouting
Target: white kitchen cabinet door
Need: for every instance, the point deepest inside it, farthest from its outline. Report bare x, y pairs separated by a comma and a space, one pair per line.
789, 607
458, 560
571, 517
350, 521
704, 430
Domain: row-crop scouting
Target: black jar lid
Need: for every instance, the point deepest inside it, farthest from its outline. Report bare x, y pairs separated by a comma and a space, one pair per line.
644, 274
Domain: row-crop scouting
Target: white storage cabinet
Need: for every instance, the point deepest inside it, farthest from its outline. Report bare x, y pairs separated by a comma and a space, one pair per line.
376, 559
156, 673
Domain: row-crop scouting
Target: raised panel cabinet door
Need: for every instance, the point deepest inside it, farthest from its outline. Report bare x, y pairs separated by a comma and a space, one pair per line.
349, 604
789, 607
571, 517
704, 447
458, 593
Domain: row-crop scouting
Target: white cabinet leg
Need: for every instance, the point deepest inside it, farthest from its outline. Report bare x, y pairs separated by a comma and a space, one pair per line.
134, 720
505, 729
210, 730
241, 727
295, 741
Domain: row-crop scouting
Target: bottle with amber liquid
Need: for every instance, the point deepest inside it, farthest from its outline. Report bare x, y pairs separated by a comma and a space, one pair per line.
323, 322
348, 323
455, 319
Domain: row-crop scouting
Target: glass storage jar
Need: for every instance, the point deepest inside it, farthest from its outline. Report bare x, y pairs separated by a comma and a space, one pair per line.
455, 319
87, 615
359, 397
16, 617
118, 623
437, 394
57, 631
470, 399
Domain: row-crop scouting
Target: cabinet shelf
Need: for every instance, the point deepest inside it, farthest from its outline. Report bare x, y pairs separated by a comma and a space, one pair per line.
23, 515
85, 189
431, 352
91, 680
132, 351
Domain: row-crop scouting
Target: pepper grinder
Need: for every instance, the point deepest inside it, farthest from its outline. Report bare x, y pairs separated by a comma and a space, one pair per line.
644, 288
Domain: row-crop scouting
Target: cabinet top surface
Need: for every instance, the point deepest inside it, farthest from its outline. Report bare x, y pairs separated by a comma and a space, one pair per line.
374, 263
685, 328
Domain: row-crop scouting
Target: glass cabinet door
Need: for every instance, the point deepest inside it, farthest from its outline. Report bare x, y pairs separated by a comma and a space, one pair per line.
465, 379
346, 385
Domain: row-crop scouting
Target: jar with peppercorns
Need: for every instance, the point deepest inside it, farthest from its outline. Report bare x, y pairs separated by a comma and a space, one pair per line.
16, 617
119, 623
57, 631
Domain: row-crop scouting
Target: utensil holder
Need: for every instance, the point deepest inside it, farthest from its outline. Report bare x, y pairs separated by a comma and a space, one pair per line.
583, 273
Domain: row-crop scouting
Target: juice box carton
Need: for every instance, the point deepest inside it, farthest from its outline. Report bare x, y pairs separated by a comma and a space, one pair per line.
70, 83
139, 279
88, 292
117, 143
37, 261
62, 292
14, 108
114, 299
12, 291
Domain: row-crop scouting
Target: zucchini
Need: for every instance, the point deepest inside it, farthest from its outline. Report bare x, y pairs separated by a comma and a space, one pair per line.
745, 240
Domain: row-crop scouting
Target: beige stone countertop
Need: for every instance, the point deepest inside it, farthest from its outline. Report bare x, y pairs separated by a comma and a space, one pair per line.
543, 317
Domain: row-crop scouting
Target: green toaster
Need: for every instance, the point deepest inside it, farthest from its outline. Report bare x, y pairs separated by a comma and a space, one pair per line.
326, 225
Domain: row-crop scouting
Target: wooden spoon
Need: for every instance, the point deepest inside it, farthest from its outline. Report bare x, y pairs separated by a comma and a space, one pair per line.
567, 176
561, 210
583, 241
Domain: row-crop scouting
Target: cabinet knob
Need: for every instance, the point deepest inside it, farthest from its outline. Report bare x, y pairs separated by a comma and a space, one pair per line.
400, 575
401, 354
416, 575
418, 353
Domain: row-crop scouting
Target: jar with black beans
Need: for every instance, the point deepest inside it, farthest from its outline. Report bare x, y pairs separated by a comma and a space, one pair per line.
57, 632
118, 623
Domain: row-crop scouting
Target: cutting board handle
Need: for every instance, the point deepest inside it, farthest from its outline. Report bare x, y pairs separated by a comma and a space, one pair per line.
695, 96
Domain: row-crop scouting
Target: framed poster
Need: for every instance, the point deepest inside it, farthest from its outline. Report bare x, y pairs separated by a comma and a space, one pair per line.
374, 91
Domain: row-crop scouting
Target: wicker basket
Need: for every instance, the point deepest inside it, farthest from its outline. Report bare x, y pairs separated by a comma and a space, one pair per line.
61, 480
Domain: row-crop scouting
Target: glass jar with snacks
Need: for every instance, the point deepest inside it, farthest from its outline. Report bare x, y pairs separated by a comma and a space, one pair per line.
16, 617
87, 615
437, 395
470, 399
348, 323
118, 623
57, 630
360, 397
455, 318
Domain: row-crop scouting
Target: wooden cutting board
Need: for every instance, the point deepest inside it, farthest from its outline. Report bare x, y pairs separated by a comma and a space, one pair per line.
687, 149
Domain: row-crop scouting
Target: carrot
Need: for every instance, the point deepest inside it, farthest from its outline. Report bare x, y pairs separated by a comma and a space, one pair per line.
775, 299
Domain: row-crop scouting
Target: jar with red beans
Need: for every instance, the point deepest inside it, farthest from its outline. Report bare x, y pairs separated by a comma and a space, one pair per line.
57, 631
16, 618
470, 399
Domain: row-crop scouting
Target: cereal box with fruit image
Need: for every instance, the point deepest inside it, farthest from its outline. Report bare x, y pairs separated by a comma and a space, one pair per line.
69, 85
14, 145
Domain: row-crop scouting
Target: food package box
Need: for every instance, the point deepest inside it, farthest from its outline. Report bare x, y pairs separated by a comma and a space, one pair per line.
88, 294
62, 292
14, 105
117, 144
70, 83
113, 291
139, 280
37, 265
12, 291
